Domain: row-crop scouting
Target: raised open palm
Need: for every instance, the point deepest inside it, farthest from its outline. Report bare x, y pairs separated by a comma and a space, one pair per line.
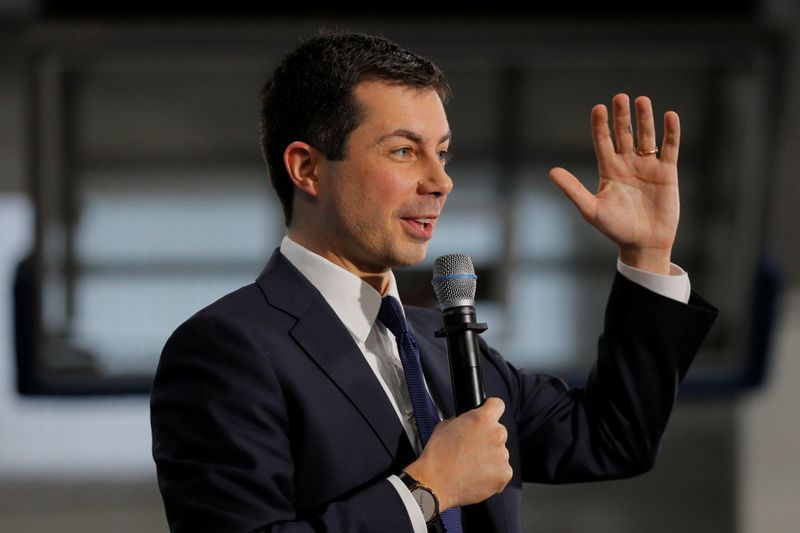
636, 204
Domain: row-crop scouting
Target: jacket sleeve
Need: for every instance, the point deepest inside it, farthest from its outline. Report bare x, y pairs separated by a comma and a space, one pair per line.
222, 447
612, 426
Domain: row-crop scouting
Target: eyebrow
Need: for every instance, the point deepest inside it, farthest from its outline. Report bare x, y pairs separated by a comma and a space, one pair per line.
410, 135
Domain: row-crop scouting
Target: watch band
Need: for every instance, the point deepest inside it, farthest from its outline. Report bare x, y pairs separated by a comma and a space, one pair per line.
414, 485
409, 481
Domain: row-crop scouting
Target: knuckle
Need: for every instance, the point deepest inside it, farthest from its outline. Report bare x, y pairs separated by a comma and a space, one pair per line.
503, 433
500, 406
500, 434
501, 457
622, 116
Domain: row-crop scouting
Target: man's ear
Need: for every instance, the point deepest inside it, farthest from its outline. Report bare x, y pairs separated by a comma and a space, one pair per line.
302, 165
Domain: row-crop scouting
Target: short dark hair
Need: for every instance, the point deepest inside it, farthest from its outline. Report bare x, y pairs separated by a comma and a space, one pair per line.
310, 96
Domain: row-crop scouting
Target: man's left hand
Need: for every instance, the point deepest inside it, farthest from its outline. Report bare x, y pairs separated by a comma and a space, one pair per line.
636, 204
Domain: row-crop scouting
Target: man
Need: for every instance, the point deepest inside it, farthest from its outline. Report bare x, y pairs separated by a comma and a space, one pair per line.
310, 400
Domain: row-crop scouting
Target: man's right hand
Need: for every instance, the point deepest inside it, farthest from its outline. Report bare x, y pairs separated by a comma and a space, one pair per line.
466, 459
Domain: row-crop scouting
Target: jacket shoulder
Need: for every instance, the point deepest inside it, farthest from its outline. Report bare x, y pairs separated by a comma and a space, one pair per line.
242, 301
243, 313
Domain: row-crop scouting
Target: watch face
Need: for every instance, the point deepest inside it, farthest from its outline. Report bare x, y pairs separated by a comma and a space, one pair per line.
426, 502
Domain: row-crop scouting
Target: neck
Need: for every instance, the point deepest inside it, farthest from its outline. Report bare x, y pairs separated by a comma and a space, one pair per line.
376, 278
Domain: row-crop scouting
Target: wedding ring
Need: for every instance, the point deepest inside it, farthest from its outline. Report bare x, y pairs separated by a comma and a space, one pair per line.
640, 151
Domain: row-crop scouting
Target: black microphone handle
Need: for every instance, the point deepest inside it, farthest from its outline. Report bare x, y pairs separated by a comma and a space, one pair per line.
461, 329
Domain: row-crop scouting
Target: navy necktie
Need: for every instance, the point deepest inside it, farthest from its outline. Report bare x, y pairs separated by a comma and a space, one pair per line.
424, 411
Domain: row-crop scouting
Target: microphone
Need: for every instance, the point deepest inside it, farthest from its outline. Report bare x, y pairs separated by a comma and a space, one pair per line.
454, 282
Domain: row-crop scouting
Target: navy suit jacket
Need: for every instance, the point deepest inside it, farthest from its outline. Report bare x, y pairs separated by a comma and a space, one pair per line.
266, 416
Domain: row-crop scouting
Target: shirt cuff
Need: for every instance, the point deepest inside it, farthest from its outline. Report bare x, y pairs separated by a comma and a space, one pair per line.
676, 285
412, 508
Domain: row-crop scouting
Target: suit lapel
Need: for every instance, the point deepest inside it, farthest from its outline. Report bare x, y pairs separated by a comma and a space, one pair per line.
321, 334
327, 341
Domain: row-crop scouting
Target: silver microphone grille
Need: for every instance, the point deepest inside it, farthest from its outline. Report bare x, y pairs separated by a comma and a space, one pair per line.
454, 281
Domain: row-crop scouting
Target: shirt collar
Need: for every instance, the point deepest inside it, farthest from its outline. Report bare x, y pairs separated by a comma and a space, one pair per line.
354, 301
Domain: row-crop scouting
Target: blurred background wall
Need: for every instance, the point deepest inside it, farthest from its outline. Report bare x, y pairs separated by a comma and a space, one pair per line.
130, 172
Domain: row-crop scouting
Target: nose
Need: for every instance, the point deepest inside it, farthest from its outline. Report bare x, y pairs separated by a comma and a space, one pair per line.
437, 182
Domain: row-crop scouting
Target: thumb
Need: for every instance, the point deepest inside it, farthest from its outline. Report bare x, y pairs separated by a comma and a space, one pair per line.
575, 191
494, 407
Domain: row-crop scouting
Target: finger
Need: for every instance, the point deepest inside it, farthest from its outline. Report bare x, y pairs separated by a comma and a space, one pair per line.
601, 135
623, 132
672, 138
502, 433
495, 407
575, 191
645, 127
499, 434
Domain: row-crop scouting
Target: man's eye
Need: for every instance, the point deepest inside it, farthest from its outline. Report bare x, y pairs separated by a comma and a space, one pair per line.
403, 152
444, 156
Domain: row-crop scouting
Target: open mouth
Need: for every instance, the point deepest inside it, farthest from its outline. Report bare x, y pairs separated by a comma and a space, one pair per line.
423, 223
421, 226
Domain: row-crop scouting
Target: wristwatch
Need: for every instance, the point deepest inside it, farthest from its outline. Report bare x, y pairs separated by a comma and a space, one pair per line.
424, 496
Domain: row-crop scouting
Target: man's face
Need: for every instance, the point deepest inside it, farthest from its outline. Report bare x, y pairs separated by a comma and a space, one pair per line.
379, 206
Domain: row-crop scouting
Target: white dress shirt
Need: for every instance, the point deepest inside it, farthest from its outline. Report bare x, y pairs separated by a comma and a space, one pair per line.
357, 303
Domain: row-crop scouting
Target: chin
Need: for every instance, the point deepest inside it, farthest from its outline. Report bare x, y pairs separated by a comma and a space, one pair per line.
411, 255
